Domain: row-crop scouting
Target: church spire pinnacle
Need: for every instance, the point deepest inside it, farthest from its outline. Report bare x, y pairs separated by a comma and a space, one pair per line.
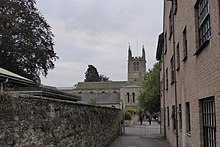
143, 53
129, 51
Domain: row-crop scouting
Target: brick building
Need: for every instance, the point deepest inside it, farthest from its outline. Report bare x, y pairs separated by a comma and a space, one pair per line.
189, 55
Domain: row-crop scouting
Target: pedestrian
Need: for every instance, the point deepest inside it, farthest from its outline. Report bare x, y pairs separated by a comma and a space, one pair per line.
149, 120
140, 118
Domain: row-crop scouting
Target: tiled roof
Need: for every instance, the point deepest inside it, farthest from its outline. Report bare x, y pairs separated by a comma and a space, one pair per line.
101, 98
105, 85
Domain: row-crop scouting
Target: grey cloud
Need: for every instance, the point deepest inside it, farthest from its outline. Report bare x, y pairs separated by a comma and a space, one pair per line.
97, 32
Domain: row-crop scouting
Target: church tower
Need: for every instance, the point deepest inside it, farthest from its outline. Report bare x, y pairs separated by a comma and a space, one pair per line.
136, 66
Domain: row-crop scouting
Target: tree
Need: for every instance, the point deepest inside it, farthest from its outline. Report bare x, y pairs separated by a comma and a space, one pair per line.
26, 40
149, 98
92, 75
103, 78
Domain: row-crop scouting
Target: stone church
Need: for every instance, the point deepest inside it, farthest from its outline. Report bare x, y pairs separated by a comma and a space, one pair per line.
118, 94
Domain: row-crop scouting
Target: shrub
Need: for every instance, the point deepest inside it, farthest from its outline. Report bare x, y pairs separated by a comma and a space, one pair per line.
127, 115
133, 110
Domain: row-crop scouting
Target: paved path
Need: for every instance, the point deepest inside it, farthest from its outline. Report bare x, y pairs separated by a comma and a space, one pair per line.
134, 137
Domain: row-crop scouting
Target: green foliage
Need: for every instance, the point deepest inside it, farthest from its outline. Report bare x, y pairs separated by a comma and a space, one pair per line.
5, 100
133, 110
26, 40
149, 98
103, 78
127, 115
93, 101
92, 75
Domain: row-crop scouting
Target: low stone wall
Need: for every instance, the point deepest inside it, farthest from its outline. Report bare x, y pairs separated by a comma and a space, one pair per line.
45, 122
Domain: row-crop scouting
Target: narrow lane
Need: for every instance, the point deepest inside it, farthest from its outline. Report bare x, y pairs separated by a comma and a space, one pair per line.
141, 136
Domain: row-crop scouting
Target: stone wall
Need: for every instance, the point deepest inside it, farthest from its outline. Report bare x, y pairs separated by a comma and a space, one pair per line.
28, 121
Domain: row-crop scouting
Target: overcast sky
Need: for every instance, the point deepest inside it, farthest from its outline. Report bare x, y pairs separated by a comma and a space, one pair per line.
97, 32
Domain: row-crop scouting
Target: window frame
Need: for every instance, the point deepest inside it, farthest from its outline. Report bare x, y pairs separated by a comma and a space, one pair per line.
167, 79
188, 119
128, 97
208, 121
168, 117
172, 70
185, 45
174, 118
165, 43
203, 24
171, 23
177, 57
133, 97
180, 117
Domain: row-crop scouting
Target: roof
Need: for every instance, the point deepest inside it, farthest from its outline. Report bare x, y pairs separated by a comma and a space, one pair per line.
5, 74
47, 92
160, 46
100, 98
105, 85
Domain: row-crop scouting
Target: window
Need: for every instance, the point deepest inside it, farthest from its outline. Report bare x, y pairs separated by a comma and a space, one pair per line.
209, 122
168, 117
180, 116
136, 66
165, 43
175, 5
128, 97
172, 67
173, 117
167, 79
177, 57
133, 96
171, 22
203, 24
188, 124
185, 48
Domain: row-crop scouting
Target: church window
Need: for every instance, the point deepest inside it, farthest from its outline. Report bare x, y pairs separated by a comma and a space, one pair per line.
133, 96
136, 66
128, 97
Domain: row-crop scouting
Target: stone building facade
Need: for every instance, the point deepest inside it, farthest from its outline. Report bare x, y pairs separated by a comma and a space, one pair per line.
115, 93
189, 55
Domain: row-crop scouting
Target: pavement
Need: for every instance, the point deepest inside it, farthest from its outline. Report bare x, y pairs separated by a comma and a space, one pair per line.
141, 136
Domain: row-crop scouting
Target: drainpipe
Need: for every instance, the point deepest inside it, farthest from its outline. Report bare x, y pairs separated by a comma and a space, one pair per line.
175, 86
174, 62
163, 59
219, 23
164, 111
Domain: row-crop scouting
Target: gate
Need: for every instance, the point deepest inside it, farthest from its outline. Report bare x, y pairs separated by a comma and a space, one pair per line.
144, 130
